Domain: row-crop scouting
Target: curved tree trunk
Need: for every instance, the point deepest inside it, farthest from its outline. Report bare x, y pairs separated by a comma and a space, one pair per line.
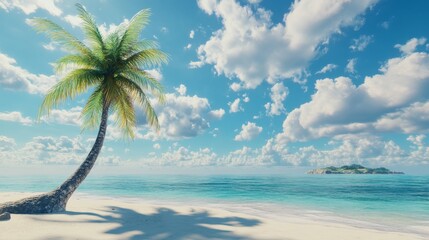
56, 200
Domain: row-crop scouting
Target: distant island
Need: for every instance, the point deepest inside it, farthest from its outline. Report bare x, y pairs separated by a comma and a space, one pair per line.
352, 169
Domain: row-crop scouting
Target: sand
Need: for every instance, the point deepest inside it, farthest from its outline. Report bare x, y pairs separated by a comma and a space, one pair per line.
90, 217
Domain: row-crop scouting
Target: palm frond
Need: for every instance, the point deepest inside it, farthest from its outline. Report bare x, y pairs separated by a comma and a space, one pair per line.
90, 28
146, 58
125, 116
132, 32
146, 81
112, 64
60, 36
74, 61
91, 113
73, 84
142, 99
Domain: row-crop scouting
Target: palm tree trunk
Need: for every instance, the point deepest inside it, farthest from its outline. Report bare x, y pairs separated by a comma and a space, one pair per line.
56, 200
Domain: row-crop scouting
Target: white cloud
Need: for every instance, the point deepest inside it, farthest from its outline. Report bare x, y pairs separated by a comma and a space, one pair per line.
155, 73
183, 157
6, 143
192, 34
182, 116
105, 29
7, 151
359, 44
50, 150
248, 132
411, 45
385, 24
31, 6
235, 106
411, 119
15, 117
236, 87
47, 150
164, 30
278, 94
188, 46
64, 116
181, 90
50, 46
14, 77
217, 114
384, 102
74, 20
195, 64
285, 48
351, 65
345, 149
254, 1
329, 67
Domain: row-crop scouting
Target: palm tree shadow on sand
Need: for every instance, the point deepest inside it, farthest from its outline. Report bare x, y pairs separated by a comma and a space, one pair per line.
166, 223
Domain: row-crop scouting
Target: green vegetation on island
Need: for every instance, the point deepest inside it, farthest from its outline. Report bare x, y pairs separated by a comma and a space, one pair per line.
352, 169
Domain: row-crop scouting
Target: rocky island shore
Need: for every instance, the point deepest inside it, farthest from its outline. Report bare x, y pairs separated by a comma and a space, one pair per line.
352, 169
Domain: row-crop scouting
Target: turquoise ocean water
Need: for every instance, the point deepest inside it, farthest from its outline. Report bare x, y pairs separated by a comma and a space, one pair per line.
398, 200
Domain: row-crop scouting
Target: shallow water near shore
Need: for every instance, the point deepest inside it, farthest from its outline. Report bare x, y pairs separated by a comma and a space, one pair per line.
396, 201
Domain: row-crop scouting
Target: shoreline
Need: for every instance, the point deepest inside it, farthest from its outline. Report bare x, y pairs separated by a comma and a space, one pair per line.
104, 217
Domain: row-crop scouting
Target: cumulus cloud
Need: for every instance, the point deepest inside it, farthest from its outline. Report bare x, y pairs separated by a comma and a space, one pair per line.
383, 102
15, 117
411, 45
329, 67
181, 89
6, 143
14, 77
285, 48
344, 149
411, 119
359, 44
53, 150
31, 6
351, 65
192, 34
246, 98
64, 116
195, 64
155, 73
187, 47
74, 20
183, 157
249, 131
235, 106
182, 116
45, 150
217, 114
7, 150
106, 29
50, 46
278, 94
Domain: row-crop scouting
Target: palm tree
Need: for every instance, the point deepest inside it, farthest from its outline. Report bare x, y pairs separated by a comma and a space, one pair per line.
110, 65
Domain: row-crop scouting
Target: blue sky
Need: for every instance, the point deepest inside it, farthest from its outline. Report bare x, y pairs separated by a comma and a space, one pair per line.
252, 83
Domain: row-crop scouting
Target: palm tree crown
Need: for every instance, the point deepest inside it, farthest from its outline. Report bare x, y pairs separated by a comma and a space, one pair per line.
109, 64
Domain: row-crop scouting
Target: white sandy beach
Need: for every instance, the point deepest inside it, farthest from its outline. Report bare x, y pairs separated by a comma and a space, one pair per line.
109, 218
